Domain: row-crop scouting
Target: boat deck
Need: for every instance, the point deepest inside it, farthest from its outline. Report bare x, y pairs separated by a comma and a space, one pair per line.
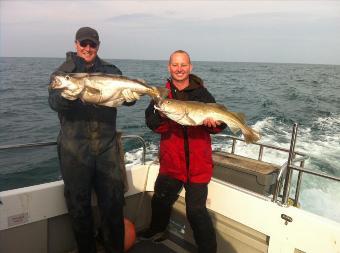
172, 244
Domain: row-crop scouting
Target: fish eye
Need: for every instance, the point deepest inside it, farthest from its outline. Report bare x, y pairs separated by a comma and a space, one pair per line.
67, 78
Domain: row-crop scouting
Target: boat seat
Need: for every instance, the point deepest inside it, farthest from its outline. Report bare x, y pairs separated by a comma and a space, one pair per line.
245, 172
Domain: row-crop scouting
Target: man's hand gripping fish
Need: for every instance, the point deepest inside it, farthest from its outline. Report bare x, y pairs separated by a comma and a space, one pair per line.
103, 89
192, 113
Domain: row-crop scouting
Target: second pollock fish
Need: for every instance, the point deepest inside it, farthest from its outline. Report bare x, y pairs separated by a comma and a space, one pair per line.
193, 113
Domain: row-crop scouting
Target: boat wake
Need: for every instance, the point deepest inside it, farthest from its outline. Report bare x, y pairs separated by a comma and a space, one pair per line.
320, 141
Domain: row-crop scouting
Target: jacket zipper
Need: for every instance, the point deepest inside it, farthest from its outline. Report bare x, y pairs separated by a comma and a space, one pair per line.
185, 136
186, 152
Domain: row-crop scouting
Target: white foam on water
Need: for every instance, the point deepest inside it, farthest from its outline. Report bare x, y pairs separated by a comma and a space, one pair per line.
321, 143
321, 196
135, 156
276, 136
325, 145
318, 195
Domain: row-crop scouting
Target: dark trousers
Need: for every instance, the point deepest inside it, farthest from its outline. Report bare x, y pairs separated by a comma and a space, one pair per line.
166, 193
83, 171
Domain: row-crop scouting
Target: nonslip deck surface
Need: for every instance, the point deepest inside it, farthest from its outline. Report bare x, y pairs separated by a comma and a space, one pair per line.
172, 244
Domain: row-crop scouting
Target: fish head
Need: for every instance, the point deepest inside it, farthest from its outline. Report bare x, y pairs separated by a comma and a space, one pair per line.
61, 82
66, 81
163, 105
173, 109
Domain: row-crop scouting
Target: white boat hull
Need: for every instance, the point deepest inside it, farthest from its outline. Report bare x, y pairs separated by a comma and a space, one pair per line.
243, 219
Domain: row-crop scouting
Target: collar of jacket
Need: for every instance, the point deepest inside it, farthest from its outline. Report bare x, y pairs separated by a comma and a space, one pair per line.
194, 82
73, 62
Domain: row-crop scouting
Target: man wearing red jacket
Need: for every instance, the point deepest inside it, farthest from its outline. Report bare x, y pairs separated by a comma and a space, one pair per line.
185, 158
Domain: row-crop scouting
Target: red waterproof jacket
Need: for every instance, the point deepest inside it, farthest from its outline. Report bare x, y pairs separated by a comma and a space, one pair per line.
185, 151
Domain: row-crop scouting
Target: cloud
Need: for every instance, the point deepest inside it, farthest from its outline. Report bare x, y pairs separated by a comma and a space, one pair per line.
136, 17
214, 30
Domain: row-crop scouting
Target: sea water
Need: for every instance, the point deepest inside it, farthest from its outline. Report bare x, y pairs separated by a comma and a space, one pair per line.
273, 97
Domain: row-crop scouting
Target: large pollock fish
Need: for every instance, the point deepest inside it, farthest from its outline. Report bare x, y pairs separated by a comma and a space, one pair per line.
192, 113
102, 89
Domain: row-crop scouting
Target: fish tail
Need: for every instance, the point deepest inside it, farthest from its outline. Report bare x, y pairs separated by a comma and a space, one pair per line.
250, 135
159, 92
163, 92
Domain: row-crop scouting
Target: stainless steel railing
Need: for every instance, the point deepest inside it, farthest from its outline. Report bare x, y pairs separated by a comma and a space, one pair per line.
141, 140
284, 173
262, 147
297, 157
291, 167
285, 170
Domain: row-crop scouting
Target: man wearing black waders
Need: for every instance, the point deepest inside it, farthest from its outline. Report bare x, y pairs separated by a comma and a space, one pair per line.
87, 150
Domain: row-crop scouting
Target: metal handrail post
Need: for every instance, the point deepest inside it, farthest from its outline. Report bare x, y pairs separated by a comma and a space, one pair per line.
260, 153
298, 184
279, 182
286, 188
323, 175
141, 140
233, 146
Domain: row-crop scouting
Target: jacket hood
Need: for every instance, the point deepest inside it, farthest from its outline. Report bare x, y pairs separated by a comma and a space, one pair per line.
195, 80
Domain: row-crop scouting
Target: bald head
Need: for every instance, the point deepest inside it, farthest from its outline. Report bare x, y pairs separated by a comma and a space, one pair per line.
179, 52
180, 68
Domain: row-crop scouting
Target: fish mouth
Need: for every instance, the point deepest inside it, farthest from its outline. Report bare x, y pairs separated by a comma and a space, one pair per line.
157, 107
158, 101
56, 83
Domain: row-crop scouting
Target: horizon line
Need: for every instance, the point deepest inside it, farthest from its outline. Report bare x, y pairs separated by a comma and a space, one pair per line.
220, 61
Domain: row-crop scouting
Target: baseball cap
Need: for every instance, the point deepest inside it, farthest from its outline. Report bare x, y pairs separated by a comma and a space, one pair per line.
87, 33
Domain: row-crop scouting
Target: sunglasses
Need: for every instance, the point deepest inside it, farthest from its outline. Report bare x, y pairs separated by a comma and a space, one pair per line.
84, 43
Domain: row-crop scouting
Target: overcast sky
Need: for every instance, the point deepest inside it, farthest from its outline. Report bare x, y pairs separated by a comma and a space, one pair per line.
236, 31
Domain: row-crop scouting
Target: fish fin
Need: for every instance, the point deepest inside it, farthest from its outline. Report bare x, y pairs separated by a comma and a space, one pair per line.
218, 106
111, 103
77, 75
241, 116
99, 74
137, 80
66, 94
234, 128
105, 74
93, 90
250, 135
92, 95
191, 121
141, 81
